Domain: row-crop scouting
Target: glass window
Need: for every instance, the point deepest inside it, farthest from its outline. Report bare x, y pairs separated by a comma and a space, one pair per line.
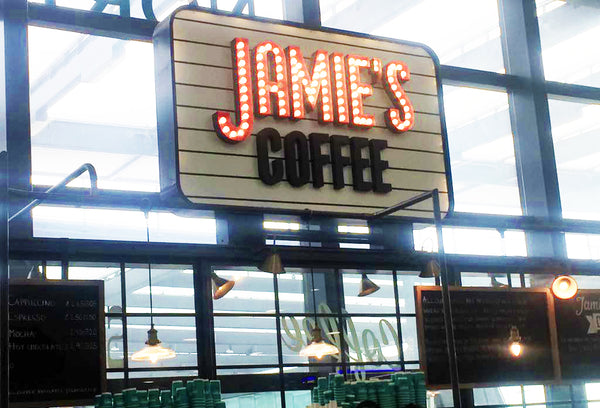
442, 398
464, 33
114, 342
28, 269
269, 8
92, 101
253, 400
292, 288
176, 333
172, 289
534, 394
109, 273
163, 8
587, 281
498, 396
253, 292
372, 339
275, 223
569, 30
296, 328
538, 280
295, 334
513, 395
298, 399
162, 373
382, 301
471, 241
262, 8
53, 270
407, 280
583, 246
172, 293
410, 341
575, 128
192, 227
353, 227
488, 279
592, 392
245, 340
482, 152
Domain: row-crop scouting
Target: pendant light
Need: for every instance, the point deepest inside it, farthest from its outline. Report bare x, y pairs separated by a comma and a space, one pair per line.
317, 347
430, 270
367, 286
221, 286
564, 287
153, 352
272, 262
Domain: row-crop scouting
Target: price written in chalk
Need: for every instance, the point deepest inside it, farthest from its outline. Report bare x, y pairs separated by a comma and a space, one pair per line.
86, 332
81, 303
80, 316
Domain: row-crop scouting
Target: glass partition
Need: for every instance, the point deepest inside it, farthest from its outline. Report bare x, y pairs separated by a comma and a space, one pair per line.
568, 30
464, 33
575, 128
481, 151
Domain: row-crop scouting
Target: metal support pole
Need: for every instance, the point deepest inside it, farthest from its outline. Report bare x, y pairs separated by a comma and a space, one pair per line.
401, 206
4, 274
82, 169
435, 196
311, 10
437, 214
530, 120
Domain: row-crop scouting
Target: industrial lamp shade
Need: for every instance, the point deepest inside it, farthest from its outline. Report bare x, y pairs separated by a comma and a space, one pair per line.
430, 270
318, 347
564, 287
272, 264
153, 351
221, 286
367, 286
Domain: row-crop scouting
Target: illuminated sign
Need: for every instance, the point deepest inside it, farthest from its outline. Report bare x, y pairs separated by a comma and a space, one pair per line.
263, 115
310, 90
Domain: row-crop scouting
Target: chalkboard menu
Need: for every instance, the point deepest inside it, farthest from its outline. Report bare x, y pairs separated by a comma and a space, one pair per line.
482, 319
57, 353
578, 330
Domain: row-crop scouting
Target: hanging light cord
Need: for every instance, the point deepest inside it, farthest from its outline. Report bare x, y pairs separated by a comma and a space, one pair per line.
312, 278
149, 270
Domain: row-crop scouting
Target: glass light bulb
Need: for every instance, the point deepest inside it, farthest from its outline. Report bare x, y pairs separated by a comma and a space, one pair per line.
564, 287
153, 354
319, 350
516, 348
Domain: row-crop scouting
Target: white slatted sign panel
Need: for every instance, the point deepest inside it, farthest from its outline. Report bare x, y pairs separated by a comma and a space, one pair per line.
194, 63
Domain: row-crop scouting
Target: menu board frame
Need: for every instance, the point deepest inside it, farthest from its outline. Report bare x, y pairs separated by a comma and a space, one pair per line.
551, 321
564, 358
99, 286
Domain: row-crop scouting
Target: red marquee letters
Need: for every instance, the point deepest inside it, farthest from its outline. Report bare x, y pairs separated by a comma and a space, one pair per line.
271, 81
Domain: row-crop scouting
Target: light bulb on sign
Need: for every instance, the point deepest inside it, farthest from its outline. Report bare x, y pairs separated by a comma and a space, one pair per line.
515, 347
564, 287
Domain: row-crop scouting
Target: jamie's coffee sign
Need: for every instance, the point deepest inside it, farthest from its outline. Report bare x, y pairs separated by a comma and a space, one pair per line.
266, 115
